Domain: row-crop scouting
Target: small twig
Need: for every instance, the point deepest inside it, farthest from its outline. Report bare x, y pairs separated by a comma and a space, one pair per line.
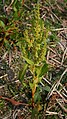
4, 56
50, 78
56, 16
11, 3
3, 76
61, 45
58, 83
48, 56
51, 113
63, 56
64, 36
64, 94
46, 81
53, 88
63, 88
61, 96
10, 58
63, 75
50, 107
55, 60
63, 108
27, 7
43, 16
51, 50
51, 64
15, 113
2, 86
59, 29
52, 17
42, 84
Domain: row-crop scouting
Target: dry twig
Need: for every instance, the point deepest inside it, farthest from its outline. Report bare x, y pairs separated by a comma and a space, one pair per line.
63, 108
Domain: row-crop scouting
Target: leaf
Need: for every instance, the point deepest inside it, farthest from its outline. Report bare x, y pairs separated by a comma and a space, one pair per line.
28, 61
37, 97
2, 24
15, 9
1, 103
22, 73
37, 69
12, 101
15, 1
44, 70
31, 85
47, 88
34, 113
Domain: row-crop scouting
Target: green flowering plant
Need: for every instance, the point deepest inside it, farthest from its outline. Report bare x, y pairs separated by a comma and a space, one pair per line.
34, 50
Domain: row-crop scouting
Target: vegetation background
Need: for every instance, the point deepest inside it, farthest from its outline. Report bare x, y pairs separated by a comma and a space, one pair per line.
33, 59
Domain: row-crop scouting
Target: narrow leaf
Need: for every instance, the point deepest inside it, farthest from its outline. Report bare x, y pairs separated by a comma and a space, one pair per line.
44, 70
22, 73
28, 61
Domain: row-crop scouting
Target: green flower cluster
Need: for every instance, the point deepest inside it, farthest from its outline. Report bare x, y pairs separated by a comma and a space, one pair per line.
34, 44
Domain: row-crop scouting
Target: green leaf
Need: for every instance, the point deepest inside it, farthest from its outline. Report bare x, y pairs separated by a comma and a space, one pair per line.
2, 24
1, 103
34, 113
37, 70
31, 85
47, 88
15, 9
15, 1
37, 97
44, 70
28, 61
22, 72
6, 44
